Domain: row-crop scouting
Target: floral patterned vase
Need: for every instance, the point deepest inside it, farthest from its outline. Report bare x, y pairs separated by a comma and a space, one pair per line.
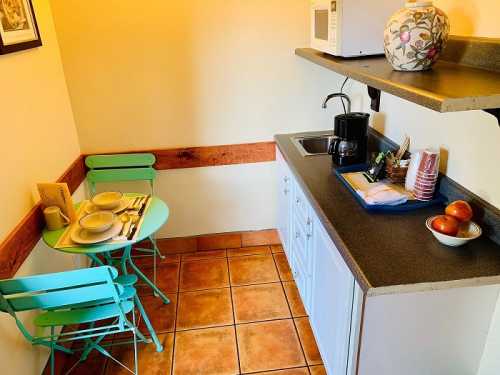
415, 36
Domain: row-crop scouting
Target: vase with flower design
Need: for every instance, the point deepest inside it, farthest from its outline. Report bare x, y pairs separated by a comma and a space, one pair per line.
415, 36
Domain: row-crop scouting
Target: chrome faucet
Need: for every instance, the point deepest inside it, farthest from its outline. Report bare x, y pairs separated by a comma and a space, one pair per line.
342, 96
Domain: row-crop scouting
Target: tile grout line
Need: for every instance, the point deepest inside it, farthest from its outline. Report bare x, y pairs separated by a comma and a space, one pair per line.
276, 371
234, 314
175, 316
231, 287
293, 319
231, 325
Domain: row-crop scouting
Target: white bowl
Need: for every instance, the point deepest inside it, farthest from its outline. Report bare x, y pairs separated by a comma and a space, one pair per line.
98, 222
108, 200
467, 232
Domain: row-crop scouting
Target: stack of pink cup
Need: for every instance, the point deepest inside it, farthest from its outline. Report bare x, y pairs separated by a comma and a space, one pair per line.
427, 176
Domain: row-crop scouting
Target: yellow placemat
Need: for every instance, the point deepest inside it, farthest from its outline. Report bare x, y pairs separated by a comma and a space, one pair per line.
65, 240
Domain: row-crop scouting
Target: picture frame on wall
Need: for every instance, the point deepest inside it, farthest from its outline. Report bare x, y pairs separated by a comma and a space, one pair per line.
18, 26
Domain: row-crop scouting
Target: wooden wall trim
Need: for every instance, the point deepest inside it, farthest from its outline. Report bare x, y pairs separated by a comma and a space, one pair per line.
210, 156
20, 242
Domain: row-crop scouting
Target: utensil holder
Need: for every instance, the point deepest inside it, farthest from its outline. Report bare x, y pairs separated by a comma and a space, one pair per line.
396, 174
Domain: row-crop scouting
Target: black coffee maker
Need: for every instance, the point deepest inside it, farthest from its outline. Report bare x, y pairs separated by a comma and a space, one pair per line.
351, 139
351, 134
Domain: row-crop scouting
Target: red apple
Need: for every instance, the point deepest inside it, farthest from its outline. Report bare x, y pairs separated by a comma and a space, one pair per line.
460, 210
446, 224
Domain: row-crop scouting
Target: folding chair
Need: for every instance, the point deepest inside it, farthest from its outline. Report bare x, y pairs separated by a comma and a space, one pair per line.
82, 297
121, 168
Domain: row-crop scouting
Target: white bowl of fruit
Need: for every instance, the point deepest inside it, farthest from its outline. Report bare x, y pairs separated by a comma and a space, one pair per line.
455, 228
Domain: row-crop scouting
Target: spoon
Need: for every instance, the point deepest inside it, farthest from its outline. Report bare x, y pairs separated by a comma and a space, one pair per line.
124, 218
133, 226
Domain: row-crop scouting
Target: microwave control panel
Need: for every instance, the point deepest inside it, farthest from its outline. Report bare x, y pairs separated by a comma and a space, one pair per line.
333, 24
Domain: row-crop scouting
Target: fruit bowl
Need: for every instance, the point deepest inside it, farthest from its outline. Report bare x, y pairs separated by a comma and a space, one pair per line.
467, 232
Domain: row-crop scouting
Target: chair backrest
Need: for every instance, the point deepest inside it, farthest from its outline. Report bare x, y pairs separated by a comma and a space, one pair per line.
119, 168
58, 290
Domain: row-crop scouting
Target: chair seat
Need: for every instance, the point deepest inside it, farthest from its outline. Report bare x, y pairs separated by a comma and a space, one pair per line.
127, 280
78, 316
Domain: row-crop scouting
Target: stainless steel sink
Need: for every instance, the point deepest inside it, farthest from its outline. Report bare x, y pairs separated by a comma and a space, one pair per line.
313, 145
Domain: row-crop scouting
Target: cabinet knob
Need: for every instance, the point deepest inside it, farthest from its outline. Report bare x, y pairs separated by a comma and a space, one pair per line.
298, 200
309, 221
309, 235
297, 234
286, 191
286, 179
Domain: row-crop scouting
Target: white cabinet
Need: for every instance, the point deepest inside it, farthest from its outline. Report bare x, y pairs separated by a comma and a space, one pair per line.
332, 302
421, 329
325, 284
284, 201
301, 259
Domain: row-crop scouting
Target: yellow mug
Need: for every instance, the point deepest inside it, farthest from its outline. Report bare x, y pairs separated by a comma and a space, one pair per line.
54, 218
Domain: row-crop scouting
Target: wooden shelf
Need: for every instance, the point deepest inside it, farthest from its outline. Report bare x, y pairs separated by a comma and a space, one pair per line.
448, 87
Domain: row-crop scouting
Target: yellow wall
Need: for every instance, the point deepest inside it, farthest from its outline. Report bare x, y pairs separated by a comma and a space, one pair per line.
39, 138
190, 73
38, 142
181, 73
472, 17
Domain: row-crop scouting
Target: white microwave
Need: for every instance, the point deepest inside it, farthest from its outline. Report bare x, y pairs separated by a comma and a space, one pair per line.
351, 28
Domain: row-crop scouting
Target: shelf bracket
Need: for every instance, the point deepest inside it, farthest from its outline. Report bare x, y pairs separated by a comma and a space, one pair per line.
495, 112
375, 97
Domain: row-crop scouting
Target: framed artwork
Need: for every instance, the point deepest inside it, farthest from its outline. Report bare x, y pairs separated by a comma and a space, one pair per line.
18, 27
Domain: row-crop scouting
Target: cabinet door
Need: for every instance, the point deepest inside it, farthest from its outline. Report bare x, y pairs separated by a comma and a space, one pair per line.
284, 202
332, 301
301, 262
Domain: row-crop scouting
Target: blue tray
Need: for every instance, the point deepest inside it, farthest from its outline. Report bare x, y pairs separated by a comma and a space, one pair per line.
439, 199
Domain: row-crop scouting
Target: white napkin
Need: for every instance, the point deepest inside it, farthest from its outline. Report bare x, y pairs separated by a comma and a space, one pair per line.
383, 194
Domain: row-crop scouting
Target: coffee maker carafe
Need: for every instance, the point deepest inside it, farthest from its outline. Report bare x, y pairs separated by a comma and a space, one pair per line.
351, 139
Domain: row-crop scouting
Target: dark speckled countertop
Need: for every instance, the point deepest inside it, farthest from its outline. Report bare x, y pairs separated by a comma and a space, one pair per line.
388, 253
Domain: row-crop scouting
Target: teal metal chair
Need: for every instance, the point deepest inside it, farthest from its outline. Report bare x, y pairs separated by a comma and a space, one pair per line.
90, 298
122, 168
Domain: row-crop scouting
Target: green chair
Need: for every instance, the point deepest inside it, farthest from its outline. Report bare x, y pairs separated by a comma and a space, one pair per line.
122, 168
91, 299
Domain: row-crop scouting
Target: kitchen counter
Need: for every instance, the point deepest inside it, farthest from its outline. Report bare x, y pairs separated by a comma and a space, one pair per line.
388, 253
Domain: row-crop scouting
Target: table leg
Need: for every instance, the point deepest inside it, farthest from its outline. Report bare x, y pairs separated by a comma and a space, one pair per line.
127, 254
123, 261
95, 260
126, 258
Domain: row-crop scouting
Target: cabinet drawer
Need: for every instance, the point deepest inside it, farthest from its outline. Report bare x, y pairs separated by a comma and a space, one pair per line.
302, 210
303, 280
302, 243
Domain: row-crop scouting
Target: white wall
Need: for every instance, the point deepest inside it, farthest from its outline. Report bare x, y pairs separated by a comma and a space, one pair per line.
490, 364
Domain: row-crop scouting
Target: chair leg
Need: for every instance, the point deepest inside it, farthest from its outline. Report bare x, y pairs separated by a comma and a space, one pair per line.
159, 347
136, 362
154, 272
52, 352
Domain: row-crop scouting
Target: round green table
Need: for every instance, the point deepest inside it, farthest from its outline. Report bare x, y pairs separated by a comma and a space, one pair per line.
155, 217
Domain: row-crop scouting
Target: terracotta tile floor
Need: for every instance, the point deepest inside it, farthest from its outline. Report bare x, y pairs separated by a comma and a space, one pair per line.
234, 311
